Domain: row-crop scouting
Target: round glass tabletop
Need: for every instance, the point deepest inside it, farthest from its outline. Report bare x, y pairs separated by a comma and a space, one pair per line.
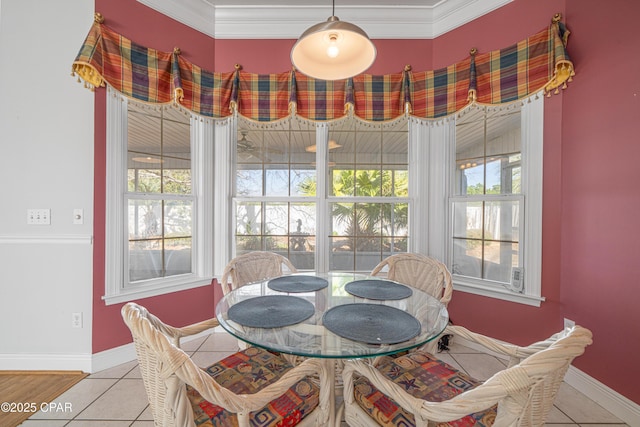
310, 338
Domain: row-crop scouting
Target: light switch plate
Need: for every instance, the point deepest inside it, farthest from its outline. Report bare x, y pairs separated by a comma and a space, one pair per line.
38, 216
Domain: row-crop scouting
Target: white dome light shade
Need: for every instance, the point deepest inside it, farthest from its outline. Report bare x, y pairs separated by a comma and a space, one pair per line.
333, 50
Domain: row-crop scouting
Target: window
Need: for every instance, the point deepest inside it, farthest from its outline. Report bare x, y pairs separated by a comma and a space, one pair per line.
343, 195
159, 195
337, 196
495, 201
368, 193
158, 200
276, 205
290, 174
487, 199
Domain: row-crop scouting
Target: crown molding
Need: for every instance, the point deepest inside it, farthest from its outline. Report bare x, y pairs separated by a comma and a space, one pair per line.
450, 15
197, 14
288, 22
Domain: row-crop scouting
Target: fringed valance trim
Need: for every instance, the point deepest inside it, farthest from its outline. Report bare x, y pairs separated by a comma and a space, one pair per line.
540, 62
83, 69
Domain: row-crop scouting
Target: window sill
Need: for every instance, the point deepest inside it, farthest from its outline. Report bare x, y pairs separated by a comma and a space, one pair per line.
147, 291
493, 292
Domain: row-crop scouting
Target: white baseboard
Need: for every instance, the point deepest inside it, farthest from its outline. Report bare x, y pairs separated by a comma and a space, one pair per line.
45, 362
113, 357
76, 362
623, 408
126, 353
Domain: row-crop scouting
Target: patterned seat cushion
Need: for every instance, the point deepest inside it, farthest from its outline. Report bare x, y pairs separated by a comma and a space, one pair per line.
248, 372
425, 377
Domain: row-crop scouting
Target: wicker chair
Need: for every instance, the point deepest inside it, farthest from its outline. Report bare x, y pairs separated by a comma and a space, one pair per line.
421, 272
261, 385
427, 391
254, 266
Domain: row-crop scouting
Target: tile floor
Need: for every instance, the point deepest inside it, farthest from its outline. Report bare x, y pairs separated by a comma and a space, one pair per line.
116, 397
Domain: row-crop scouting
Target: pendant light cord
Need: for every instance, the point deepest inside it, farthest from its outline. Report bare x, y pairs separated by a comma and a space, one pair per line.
333, 8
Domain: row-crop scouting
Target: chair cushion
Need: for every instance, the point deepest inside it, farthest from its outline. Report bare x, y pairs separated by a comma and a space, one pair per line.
248, 372
425, 377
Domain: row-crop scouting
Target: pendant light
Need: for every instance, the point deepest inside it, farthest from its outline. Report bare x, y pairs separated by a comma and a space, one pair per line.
333, 50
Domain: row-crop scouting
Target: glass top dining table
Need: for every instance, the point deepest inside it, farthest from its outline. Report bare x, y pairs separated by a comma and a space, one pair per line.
312, 338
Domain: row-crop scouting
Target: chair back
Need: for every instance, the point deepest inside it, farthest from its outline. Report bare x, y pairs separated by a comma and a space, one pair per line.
158, 359
521, 395
533, 384
254, 266
419, 271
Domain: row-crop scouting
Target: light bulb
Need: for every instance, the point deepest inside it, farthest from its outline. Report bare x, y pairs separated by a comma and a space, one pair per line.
332, 50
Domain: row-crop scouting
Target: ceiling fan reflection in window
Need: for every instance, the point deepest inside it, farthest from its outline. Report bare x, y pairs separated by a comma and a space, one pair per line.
248, 151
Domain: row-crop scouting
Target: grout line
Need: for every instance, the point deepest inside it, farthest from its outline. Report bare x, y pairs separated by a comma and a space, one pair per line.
96, 399
199, 348
139, 415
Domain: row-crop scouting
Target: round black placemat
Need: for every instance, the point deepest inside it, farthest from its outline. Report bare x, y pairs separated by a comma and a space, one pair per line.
378, 289
271, 311
371, 323
297, 283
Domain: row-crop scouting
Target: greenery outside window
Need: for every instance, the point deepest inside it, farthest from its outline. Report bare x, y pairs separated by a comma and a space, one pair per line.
367, 193
330, 197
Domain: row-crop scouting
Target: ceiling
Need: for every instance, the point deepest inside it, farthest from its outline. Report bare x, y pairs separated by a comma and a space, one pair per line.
155, 133
287, 19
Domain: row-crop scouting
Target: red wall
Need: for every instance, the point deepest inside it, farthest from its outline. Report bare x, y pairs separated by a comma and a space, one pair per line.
590, 265
512, 322
148, 28
272, 56
601, 198
591, 260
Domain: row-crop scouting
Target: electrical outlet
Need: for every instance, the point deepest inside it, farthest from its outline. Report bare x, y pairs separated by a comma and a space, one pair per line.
568, 323
76, 320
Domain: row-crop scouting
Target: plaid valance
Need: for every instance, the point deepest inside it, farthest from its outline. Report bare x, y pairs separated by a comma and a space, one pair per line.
539, 62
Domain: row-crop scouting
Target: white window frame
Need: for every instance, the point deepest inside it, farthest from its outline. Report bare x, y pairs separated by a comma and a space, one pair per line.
325, 200
117, 287
431, 180
532, 128
322, 199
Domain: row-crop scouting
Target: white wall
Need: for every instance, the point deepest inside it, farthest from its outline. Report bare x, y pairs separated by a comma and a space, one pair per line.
46, 161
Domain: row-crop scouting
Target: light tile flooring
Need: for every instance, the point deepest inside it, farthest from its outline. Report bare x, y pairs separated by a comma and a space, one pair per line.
116, 397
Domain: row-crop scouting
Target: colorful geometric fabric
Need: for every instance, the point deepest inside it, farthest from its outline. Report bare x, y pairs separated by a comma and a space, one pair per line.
204, 93
320, 100
133, 70
425, 377
378, 98
504, 75
263, 97
248, 372
512, 73
441, 92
